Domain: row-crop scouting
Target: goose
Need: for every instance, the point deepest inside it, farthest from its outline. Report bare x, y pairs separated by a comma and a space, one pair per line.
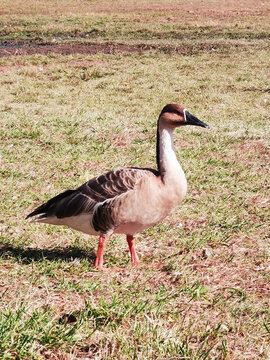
126, 200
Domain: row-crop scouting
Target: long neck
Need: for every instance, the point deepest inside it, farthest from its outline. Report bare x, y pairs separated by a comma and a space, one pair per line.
167, 162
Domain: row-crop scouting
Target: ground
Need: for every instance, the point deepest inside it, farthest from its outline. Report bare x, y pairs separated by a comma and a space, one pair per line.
82, 84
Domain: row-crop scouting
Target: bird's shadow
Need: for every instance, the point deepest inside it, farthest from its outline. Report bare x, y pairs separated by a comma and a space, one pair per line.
29, 255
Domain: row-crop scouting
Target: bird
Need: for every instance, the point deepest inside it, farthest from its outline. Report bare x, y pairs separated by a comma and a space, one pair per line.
126, 200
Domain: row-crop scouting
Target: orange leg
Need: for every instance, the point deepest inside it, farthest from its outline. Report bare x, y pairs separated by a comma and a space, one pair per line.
131, 244
99, 258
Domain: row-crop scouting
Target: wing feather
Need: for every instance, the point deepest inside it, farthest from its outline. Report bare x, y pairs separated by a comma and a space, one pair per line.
97, 190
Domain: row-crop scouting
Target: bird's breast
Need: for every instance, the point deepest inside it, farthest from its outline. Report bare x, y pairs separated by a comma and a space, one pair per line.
151, 202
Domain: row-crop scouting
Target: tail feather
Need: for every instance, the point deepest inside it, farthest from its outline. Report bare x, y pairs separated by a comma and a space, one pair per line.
45, 209
38, 219
39, 210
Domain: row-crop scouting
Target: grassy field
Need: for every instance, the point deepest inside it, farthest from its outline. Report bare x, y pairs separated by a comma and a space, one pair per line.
203, 288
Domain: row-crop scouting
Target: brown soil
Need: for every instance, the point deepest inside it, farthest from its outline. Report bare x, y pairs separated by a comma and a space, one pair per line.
24, 48
30, 48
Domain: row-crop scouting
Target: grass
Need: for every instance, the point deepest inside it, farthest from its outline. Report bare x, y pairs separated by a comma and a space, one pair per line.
202, 291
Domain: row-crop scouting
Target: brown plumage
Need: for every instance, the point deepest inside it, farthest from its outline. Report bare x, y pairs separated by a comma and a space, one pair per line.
125, 200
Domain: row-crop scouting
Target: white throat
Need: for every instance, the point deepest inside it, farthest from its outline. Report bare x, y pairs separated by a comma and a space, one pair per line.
171, 172
168, 162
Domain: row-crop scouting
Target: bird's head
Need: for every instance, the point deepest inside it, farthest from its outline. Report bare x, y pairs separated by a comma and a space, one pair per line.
173, 115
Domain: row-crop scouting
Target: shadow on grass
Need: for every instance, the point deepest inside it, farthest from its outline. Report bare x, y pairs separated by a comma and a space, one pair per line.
26, 256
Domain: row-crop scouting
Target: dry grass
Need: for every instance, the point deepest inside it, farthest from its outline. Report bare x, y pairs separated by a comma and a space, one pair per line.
212, 8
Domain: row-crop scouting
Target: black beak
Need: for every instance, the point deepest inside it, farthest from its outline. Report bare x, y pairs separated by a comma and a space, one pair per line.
192, 120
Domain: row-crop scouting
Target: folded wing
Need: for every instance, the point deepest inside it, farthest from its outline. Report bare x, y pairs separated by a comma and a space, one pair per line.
95, 191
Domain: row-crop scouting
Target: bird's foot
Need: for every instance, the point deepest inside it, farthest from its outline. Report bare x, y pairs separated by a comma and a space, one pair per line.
135, 262
99, 267
99, 263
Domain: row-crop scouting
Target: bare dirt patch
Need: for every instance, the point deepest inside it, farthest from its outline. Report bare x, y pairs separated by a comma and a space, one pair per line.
11, 48
24, 48
256, 147
250, 152
126, 139
237, 265
247, 152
